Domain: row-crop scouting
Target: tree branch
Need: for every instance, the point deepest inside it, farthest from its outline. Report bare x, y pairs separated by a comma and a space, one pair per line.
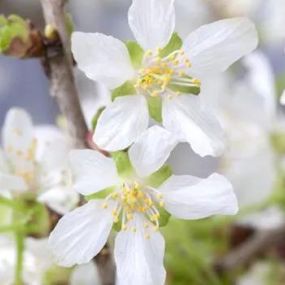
250, 249
63, 88
62, 82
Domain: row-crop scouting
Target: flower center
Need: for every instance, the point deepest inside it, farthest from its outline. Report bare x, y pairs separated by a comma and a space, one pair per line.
166, 74
23, 161
133, 198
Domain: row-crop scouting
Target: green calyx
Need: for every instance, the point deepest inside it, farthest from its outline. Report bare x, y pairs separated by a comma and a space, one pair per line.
136, 53
174, 44
158, 177
123, 164
124, 90
100, 195
96, 118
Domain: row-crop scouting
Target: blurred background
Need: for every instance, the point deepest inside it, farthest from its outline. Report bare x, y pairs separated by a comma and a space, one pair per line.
247, 102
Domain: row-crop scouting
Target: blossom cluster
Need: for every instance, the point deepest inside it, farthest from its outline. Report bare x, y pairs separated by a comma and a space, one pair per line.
159, 77
156, 84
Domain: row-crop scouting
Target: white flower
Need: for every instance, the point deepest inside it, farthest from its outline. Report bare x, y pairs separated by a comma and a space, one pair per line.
37, 260
208, 50
247, 110
139, 247
85, 274
35, 160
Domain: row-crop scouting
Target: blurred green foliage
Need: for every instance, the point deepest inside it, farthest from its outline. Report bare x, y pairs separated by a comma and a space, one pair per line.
10, 28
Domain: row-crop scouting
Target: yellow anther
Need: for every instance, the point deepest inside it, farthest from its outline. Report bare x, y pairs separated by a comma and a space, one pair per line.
104, 205
187, 63
154, 218
114, 195
156, 228
176, 62
147, 236
161, 204
124, 227
159, 196
154, 94
196, 81
146, 225
148, 53
129, 217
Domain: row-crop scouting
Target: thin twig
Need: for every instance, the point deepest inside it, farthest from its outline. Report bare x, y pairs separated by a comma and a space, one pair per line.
61, 74
250, 249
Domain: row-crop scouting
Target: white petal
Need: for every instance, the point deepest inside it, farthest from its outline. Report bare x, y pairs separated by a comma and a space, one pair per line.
102, 58
81, 234
214, 47
48, 137
92, 171
12, 183
121, 123
191, 122
152, 22
17, 131
85, 274
3, 162
54, 155
188, 197
139, 260
60, 199
151, 150
260, 77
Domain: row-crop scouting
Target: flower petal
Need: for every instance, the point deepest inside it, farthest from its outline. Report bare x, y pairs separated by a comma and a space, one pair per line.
81, 234
121, 123
17, 131
189, 121
92, 171
139, 260
188, 197
151, 150
214, 47
152, 22
3, 162
102, 58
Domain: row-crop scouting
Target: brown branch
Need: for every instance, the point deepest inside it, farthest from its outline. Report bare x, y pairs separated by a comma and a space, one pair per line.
62, 82
249, 250
64, 90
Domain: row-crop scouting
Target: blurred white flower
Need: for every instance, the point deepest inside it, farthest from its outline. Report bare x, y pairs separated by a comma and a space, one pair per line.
85, 274
139, 247
247, 110
267, 219
208, 50
257, 275
35, 160
37, 261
